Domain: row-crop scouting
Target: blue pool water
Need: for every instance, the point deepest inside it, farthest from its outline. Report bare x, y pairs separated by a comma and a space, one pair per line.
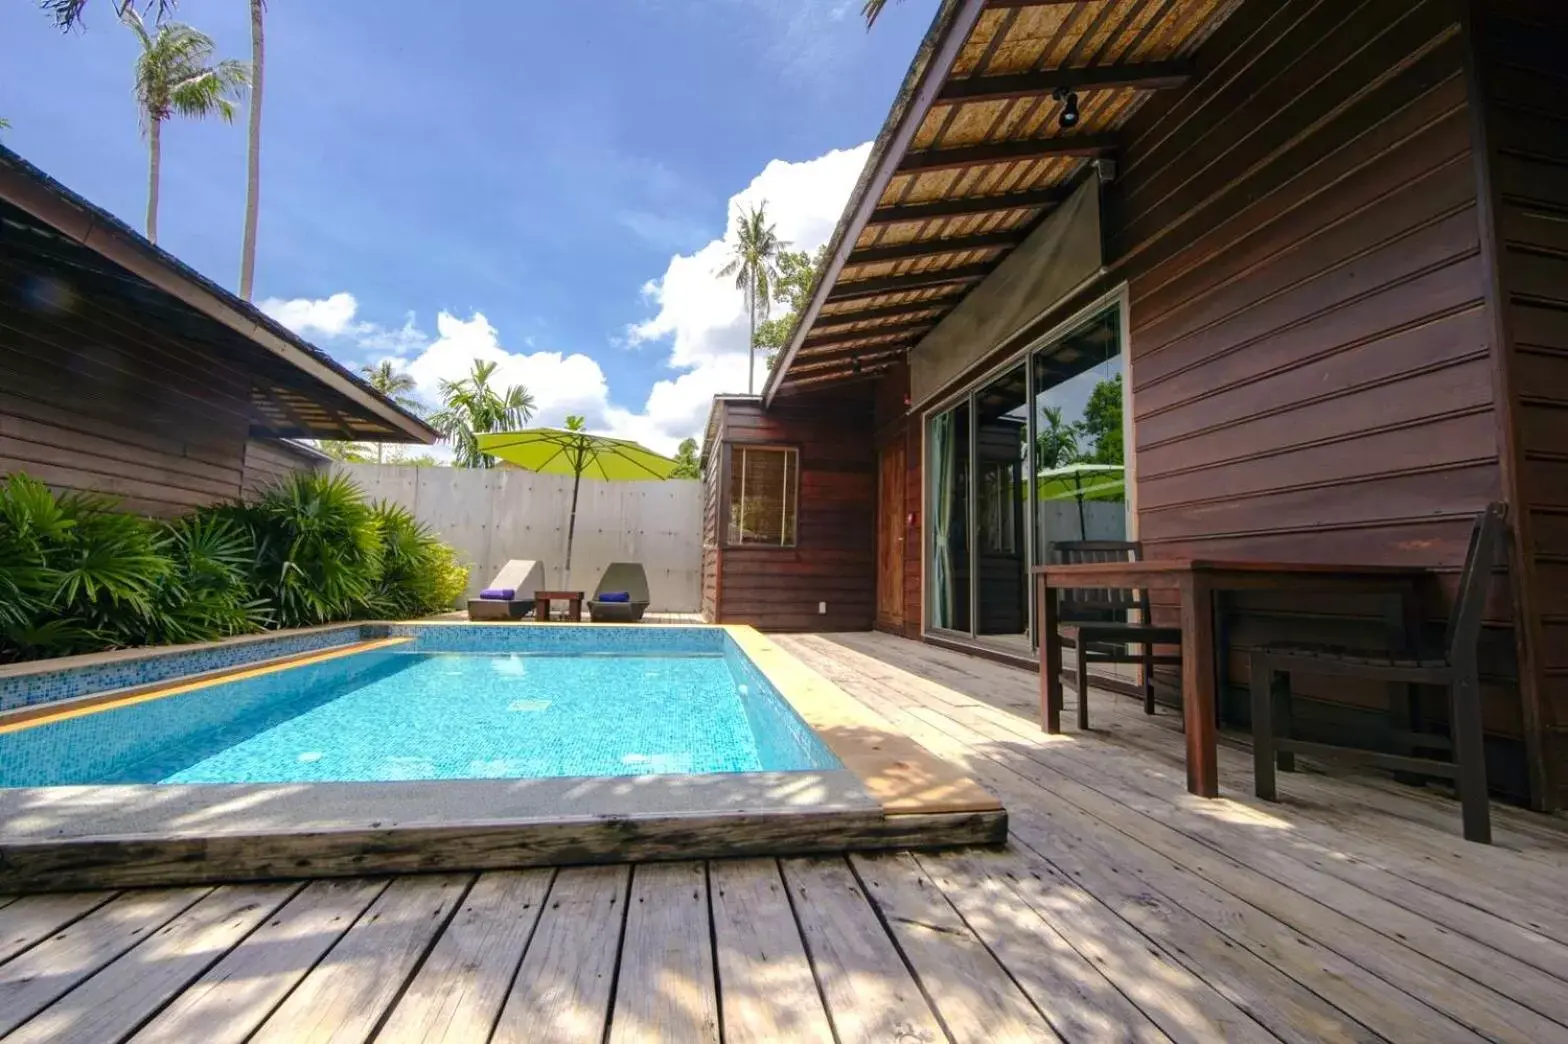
392, 715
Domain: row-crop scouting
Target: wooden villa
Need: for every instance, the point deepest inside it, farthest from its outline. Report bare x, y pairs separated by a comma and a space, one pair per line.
1312, 252
127, 373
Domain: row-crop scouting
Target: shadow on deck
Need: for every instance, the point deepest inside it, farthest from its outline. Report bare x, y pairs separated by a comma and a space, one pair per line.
1121, 909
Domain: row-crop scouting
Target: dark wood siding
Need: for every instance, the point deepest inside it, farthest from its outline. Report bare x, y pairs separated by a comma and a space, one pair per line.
833, 561
156, 426
1310, 341
268, 461
1523, 87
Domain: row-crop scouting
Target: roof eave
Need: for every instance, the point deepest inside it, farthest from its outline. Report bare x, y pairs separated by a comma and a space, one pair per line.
943, 42
35, 192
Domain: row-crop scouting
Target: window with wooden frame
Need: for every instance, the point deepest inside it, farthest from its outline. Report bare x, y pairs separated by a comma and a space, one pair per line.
763, 496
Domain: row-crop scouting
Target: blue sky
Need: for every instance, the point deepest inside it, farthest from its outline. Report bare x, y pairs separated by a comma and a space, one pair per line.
538, 181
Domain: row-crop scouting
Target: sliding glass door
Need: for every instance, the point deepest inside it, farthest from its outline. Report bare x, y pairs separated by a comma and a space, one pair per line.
1028, 458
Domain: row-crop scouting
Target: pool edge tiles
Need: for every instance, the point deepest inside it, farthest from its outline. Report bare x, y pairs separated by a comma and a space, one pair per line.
903, 776
41, 714
889, 794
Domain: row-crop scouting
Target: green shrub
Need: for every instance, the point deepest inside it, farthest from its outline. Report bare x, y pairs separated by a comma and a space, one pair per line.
77, 575
419, 574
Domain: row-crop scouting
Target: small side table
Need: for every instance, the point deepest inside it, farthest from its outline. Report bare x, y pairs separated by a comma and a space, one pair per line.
573, 600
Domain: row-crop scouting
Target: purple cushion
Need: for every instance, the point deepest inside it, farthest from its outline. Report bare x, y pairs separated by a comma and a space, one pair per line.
499, 594
613, 596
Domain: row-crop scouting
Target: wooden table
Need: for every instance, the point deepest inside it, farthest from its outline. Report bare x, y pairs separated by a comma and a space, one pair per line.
1198, 581
573, 600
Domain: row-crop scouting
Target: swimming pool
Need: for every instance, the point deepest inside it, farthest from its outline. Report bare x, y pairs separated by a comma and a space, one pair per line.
431, 707
410, 747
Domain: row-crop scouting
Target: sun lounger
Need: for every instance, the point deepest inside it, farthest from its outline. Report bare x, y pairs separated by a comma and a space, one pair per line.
511, 592
622, 578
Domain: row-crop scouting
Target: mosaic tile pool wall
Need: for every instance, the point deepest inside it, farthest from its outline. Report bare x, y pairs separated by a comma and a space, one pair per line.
49, 684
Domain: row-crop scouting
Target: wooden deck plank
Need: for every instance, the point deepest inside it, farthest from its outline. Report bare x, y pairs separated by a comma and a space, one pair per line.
344, 997
38, 976
1421, 974
976, 997
562, 990
870, 993
1228, 957
665, 989
232, 997
1293, 1013
1079, 1002
458, 993
115, 1001
768, 990
33, 918
1275, 855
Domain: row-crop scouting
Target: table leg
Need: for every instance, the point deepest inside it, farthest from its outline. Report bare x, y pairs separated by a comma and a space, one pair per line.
576, 607
1050, 659
1197, 686
541, 610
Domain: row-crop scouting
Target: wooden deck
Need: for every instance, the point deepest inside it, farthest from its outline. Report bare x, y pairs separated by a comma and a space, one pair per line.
1122, 909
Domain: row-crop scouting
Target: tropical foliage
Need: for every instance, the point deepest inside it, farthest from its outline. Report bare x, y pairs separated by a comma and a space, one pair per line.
797, 272
754, 262
79, 575
176, 76
67, 14
1094, 439
687, 464
472, 407
396, 385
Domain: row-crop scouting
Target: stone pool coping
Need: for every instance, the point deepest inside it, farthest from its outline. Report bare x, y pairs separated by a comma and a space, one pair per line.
890, 793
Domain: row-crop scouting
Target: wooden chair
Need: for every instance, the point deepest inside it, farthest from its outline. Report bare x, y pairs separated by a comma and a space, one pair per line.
1454, 667
1100, 616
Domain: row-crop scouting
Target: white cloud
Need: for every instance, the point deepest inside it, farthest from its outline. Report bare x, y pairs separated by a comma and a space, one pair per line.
330, 316
700, 316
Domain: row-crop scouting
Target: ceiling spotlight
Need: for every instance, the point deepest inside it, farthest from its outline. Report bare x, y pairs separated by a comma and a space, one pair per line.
1069, 100
854, 364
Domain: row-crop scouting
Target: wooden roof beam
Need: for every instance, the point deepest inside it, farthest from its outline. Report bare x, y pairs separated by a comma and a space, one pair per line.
813, 341
1007, 152
808, 365
930, 247
856, 289
945, 208
1150, 76
832, 320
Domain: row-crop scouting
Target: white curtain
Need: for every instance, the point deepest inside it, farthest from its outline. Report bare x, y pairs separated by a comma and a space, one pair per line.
942, 479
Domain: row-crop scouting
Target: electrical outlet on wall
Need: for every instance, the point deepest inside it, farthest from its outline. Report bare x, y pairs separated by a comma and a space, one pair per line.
822, 608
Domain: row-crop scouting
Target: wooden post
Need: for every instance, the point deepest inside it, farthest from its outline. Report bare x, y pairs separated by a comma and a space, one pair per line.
1197, 684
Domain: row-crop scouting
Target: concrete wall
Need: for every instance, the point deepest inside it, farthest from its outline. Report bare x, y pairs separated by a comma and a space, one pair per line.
491, 516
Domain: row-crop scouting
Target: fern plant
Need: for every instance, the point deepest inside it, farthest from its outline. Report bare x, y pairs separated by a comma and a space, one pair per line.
78, 575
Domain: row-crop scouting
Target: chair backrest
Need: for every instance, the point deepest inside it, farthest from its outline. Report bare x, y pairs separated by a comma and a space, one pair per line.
523, 575
624, 576
1096, 603
1464, 623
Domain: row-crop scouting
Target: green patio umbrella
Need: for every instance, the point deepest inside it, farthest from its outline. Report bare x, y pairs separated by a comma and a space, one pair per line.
1082, 482
571, 451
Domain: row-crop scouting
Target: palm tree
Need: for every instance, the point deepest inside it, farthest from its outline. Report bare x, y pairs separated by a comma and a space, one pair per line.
395, 385
67, 14
253, 157
870, 9
175, 76
1055, 441
754, 262
470, 408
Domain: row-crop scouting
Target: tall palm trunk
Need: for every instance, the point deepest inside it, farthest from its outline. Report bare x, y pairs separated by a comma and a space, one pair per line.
253, 171
154, 162
751, 309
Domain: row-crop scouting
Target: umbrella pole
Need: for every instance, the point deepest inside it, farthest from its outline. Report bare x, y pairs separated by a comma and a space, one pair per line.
1083, 527
571, 530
